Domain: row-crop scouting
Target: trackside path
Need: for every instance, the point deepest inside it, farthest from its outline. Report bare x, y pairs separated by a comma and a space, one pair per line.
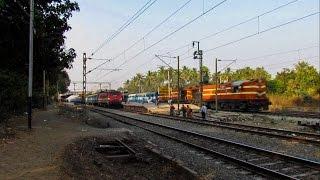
37, 154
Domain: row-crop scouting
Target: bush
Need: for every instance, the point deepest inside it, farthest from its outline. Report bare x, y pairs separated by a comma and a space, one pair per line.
285, 101
12, 95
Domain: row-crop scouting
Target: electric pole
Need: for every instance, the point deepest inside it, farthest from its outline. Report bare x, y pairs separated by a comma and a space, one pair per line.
58, 92
29, 109
198, 55
216, 78
74, 87
169, 88
84, 80
179, 95
169, 68
44, 89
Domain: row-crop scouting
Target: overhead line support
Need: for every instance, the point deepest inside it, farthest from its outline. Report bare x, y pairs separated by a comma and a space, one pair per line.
29, 109
84, 78
198, 55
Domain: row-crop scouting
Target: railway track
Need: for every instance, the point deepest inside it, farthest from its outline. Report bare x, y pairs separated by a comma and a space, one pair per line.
314, 115
257, 160
313, 138
294, 114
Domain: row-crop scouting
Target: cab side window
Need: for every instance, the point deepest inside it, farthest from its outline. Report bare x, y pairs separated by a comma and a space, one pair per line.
236, 89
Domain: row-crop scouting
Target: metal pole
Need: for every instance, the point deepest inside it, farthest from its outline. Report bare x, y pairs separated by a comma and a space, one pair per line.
178, 82
47, 92
58, 92
169, 92
29, 109
200, 69
139, 85
216, 78
100, 86
84, 80
74, 87
44, 89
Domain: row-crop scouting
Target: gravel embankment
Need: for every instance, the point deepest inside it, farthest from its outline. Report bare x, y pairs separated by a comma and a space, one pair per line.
206, 166
265, 120
293, 148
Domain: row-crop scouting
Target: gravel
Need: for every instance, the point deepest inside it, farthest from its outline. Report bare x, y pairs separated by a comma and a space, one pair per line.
294, 148
272, 121
206, 166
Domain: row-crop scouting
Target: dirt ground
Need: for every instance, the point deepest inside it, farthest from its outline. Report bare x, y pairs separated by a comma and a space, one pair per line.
41, 152
83, 161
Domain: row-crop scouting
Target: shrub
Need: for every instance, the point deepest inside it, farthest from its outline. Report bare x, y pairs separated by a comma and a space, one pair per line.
12, 94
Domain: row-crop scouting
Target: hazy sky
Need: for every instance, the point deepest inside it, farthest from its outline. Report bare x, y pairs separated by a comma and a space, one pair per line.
99, 19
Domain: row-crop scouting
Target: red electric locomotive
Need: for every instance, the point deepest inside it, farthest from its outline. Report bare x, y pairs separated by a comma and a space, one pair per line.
110, 98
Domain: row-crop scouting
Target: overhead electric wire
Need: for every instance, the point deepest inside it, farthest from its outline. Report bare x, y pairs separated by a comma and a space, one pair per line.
270, 65
238, 24
233, 26
279, 53
281, 63
300, 59
141, 65
153, 29
257, 33
266, 30
170, 34
125, 25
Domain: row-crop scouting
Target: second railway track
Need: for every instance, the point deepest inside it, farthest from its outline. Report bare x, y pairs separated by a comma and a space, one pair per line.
258, 160
313, 138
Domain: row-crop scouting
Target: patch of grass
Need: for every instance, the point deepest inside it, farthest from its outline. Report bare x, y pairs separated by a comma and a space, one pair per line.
300, 103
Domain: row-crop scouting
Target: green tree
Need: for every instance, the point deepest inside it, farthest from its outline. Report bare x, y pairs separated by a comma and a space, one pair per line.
282, 80
307, 79
303, 79
51, 23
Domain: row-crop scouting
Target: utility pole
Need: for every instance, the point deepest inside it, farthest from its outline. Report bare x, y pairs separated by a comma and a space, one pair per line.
198, 55
74, 87
139, 85
109, 85
201, 78
47, 91
44, 89
169, 91
169, 68
179, 95
29, 109
84, 80
58, 92
216, 78
100, 86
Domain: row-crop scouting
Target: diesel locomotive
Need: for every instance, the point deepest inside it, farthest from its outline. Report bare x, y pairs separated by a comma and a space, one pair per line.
244, 95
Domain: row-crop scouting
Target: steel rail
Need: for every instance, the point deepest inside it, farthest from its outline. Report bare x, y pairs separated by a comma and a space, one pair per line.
313, 115
305, 162
287, 134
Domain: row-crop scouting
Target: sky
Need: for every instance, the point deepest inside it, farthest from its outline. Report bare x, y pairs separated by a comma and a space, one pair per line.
254, 43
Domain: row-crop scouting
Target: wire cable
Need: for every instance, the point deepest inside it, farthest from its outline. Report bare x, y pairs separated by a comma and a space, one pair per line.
170, 34
257, 33
154, 28
125, 25
279, 53
236, 25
